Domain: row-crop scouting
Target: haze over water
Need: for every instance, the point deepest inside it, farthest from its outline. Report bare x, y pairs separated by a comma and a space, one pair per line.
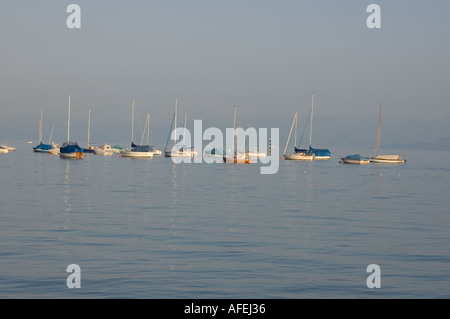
154, 229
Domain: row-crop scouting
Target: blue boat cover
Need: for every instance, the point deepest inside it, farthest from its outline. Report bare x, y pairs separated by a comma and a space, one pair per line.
320, 151
356, 157
44, 147
71, 147
141, 148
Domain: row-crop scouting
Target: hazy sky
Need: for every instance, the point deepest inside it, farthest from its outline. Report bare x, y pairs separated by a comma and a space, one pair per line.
265, 56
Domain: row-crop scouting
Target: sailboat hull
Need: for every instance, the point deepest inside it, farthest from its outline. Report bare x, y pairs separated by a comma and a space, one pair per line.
354, 161
322, 157
256, 154
156, 152
40, 150
136, 154
178, 154
388, 159
299, 157
237, 160
76, 155
54, 151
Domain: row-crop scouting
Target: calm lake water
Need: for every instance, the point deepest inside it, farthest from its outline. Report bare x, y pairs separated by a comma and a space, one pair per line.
149, 228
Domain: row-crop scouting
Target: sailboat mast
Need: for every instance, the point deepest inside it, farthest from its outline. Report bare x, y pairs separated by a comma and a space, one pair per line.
132, 120
295, 137
184, 131
234, 131
290, 132
176, 106
51, 134
89, 128
310, 126
68, 124
143, 133
148, 129
379, 126
40, 128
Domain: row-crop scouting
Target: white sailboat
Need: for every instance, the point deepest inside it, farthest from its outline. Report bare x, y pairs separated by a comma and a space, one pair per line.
137, 151
147, 129
140, 151
70, 149
296, 156
389, 159
236, 158
176, 150
253, 152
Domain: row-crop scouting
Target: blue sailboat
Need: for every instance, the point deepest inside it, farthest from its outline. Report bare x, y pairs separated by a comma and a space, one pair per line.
70, 149
355, 159
318, 153
42, 147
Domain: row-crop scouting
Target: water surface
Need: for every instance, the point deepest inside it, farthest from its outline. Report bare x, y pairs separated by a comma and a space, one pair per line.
149, 228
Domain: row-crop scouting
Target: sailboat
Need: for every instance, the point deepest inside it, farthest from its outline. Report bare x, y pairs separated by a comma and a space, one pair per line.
176, 150
147, 129
296, 156
42, 147
141, 151
390, 159
319, 153
70, 149
253, 152
236, 158
154, 150
89, 149
355, 159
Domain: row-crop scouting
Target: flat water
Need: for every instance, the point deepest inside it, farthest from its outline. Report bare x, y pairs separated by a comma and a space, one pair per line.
149, 228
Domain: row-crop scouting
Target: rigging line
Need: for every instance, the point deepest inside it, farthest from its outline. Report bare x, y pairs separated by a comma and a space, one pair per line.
304, 128
145, 129
170, 131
